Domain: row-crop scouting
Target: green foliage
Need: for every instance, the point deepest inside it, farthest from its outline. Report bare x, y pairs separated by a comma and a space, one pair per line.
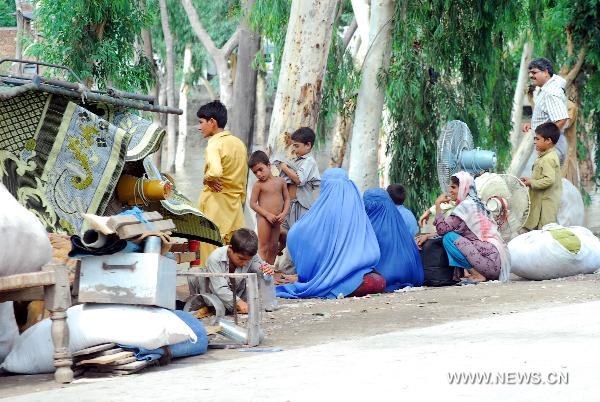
553, 18
450, 60
96, 39
7, 7
219, 18
270, 19
341, 83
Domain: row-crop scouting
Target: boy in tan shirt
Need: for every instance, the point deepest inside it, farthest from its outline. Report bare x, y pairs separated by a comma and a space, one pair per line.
545, 184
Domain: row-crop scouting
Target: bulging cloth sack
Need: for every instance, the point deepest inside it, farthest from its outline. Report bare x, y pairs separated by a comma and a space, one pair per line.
90, 325
25, 245
571, 211
9, 332
537, 255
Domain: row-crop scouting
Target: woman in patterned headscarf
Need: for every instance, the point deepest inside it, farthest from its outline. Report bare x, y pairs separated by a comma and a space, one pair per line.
470, 236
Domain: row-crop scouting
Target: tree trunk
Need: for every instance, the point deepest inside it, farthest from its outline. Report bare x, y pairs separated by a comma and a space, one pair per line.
260, 122
304, 61
369, 107
570, 169
516, 134
183, 105
219, 56
342, 127
244, 85
171, 118
19, 38
586, 164
361, 13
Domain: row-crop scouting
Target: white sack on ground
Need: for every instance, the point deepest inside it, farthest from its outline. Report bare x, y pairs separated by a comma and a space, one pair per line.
25, 245
571, 211
90, 325
9, 332
538, 256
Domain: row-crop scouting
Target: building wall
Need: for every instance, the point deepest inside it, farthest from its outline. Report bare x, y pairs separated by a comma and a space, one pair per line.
7, 42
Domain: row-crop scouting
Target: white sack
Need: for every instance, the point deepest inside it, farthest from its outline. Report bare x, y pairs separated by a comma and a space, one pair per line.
571, 211
536, 255
9, 331
90, 325
25, 245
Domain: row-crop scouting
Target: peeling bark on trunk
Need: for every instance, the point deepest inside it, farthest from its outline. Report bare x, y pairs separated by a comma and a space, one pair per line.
570, 169
183, 105
339, 143
260, 122
303, 65
219, 56
369, 107
244, 86
170, 87
516, 134
586, 165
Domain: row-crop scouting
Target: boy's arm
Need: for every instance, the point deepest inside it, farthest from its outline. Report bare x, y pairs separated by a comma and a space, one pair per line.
219, 285
259, 266
215, 168
290, 173
547, 176
254, 203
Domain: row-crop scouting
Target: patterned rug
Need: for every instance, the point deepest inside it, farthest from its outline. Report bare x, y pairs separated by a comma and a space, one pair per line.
58, 159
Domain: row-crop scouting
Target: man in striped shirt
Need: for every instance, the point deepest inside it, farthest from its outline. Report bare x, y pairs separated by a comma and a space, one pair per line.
550, 103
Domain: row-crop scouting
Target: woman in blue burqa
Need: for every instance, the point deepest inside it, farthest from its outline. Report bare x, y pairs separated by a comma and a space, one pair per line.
333, 246
400, 262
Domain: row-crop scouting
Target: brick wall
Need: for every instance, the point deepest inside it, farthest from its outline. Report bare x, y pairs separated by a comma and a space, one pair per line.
7, 42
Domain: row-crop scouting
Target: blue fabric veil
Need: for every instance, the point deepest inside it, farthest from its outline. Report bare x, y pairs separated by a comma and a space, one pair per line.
400, 262
333, 245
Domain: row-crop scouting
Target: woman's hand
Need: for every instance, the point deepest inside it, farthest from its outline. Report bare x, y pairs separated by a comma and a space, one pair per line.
424, 218
421, 239
441, 199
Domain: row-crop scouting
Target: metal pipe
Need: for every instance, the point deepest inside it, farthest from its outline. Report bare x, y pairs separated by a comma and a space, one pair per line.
41, 63
67, 88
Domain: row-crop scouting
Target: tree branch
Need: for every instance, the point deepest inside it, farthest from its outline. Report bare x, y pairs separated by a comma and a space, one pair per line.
570, 48
231, 44
199, 30
577, 67
349, 33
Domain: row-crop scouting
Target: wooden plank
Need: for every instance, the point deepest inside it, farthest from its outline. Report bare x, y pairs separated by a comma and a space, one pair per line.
118, 221
22, 281
139, 364
27, 294
121, 362
106, 359
187, 256
130, 231
95, 349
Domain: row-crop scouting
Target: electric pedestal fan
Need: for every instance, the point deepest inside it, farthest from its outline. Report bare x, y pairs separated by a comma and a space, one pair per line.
504, 195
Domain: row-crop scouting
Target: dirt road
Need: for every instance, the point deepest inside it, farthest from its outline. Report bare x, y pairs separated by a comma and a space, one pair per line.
305, 323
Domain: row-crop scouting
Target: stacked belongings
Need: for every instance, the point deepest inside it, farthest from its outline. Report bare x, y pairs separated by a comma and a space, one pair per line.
128, 287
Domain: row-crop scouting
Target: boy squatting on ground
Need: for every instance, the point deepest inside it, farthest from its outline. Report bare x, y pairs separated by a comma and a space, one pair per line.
238, 257
271, 201
545, 184
302, 175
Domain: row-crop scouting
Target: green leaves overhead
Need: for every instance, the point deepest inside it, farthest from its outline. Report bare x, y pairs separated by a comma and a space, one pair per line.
97, 39
450, 60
